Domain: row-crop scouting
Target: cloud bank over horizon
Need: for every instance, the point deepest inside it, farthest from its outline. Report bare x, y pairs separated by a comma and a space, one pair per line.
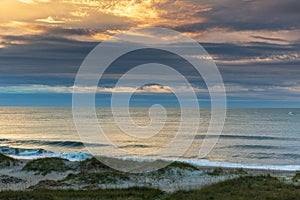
255, 44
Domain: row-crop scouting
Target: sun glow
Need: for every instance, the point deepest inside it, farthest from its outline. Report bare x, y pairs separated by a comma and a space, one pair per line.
134, 9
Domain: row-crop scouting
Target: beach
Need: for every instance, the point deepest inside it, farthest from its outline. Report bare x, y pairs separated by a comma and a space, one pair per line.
258, 148
58, 173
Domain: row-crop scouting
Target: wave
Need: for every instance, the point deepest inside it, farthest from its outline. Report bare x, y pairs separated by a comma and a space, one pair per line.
22, 153
223, 164
69, 144
253, 147
209, 163
277, 156
135, 146
247, 137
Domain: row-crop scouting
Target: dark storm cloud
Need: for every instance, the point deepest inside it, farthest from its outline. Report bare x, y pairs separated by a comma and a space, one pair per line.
55, 61
62, 31
270, 39
69, 31
43, 55
257, 64
251, 50
249, 15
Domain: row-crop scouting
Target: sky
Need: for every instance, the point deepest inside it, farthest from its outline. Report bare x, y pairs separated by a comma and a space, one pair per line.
255, 44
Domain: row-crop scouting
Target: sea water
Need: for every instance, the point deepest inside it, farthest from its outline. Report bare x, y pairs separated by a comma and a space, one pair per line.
253, 138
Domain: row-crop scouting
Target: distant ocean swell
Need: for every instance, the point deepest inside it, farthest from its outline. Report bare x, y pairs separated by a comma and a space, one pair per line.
22, 153
78, 144
68, 144
248, 137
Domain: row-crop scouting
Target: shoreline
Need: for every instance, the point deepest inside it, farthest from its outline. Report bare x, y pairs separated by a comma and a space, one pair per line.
37, 153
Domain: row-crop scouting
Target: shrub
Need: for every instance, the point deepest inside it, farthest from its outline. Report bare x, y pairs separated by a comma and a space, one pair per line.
216, 172
47, 165
112, 177
6, 161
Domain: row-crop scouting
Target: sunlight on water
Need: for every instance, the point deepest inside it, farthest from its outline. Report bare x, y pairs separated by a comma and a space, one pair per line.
258, 136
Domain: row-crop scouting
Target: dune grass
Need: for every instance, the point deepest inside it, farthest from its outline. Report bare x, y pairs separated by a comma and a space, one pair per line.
242, 188
92, 164
182, 165
169, 170
46, 165
296, 178
112, 177
6, 161
117, 194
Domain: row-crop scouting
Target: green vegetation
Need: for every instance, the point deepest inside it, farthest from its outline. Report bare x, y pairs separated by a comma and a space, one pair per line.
47, 165
182, 165
93, 172
216, 172
243, 188
111, 177
296, 177
6, 161
47, 184
116, 194
175, 168
92, 164
220, 171
239, 171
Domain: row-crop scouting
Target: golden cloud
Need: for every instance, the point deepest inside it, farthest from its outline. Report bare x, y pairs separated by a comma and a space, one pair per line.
50, 20
34, 1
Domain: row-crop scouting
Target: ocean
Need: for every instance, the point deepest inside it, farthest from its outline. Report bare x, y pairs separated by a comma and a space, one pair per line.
251, 138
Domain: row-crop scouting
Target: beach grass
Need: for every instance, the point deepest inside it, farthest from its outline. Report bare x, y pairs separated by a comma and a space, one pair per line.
175, 168
45, 166
134, 193
218, 171
296, 178
112, 177
182, 165
6, 161
242, 188
92, 164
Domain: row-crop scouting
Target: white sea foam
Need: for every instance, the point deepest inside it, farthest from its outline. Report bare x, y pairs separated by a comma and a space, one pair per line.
79, 156
30, 155
209, 163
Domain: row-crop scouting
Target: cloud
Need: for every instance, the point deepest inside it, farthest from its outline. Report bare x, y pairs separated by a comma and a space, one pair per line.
253, 53
26, 1
143, 89
158, 13
295, 89
269, 39
34, 1
79, 13
251, 15
254, 43
50, 20
243, 64
151, 88
235, 93
28, 89
279, 58
212, 21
